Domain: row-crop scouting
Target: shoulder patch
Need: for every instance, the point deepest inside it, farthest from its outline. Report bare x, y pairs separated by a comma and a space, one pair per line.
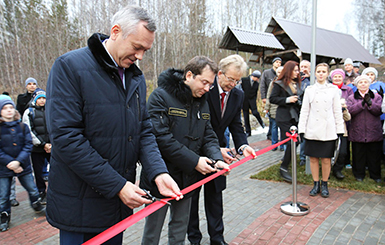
206, 116
177, 112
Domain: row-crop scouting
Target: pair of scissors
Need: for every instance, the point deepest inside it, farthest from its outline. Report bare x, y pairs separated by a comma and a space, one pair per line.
154, 199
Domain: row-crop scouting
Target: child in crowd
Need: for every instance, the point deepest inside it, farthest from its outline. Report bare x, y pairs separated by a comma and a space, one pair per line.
34, 117
15, 148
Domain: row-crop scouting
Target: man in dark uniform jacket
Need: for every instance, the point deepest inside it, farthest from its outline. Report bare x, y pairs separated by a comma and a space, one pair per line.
250, 87
24, 99
225, 109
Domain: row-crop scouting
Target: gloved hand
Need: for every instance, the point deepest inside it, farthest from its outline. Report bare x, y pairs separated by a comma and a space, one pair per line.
301, 137
367, 99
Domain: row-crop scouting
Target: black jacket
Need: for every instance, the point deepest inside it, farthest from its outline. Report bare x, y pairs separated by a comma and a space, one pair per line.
286, 112
181, 124
99, 132
23, 102
231, 118
35, 118
250, 101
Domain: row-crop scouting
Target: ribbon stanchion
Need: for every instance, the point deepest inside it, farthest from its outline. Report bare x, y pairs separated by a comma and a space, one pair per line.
294, 208
131, 220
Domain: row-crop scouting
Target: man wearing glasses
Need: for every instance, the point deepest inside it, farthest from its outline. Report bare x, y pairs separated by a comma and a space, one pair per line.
225, 109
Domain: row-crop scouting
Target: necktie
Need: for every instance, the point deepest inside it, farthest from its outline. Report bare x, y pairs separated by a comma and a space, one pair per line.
222, 99
121, 71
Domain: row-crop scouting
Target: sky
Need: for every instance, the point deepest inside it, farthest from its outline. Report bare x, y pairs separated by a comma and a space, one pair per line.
335, 15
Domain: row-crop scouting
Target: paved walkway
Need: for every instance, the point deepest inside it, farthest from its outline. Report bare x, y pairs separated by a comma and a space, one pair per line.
252, 213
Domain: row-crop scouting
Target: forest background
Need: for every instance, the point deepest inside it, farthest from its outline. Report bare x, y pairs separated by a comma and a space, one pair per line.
33, 33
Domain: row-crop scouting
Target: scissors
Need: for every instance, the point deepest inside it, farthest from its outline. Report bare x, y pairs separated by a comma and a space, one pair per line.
154, 199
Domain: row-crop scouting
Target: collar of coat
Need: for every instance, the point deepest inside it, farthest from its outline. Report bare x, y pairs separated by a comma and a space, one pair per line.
358, 96
95, 44
287, 88
171, 80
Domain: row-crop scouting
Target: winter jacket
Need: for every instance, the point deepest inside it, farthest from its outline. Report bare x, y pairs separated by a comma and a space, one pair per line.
23, 101
34, 117
321, 113
99, 131
15, 145
181, 124
270, 107
286, 112
365, 125
267, 77
346, 91
349, 79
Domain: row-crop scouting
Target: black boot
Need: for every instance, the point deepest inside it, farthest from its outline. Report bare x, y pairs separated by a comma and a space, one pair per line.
316, 189
5, 218
338, 174
324, 189
285, 174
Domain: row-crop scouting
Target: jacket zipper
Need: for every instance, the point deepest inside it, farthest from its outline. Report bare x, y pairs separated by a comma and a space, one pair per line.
138, 102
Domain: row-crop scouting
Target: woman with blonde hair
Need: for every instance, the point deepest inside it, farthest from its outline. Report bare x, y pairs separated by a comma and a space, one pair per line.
321, 124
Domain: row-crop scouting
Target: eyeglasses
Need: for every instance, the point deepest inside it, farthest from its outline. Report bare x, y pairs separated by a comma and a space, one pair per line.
231, 79
206, 83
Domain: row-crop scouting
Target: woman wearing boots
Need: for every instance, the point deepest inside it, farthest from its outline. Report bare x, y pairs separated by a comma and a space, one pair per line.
286, 94
321, 124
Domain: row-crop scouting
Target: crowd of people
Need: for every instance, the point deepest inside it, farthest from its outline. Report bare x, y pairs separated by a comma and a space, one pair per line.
343, 110
97, 127
24, 137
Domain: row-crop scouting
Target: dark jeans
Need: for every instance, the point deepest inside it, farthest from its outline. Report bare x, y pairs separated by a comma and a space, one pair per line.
77, 238
26, 181
38, 161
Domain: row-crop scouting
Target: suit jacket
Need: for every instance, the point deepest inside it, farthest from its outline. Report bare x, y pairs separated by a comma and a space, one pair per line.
231, 119
250, 93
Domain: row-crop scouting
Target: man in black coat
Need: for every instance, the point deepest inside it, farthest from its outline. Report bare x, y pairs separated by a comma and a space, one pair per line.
181, 123
250, 86
24, 99
99, 129
225, 108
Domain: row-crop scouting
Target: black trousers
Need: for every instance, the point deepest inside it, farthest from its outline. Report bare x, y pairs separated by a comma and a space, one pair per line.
284, 127
214, 212
38, 161
369, 154
340, 164
247, 118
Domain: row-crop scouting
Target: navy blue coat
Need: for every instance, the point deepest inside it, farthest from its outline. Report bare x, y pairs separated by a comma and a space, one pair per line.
98, 131
15, 145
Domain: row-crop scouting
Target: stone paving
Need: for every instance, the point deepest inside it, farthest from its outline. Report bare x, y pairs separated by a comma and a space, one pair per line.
252, 213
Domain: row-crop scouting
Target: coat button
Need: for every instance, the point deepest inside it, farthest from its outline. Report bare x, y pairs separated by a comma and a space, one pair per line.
14, 144
129, 138
127, 171
12, 129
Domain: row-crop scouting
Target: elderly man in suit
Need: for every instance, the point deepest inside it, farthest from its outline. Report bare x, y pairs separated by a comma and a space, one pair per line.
225, 105
250, 87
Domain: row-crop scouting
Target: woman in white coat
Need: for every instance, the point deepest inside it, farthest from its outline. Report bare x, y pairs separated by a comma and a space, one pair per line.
321, 123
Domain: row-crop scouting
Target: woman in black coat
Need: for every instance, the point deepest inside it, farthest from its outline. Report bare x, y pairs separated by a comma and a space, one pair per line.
286, 94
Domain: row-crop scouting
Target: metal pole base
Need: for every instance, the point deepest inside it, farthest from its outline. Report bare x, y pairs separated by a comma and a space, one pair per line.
295, 209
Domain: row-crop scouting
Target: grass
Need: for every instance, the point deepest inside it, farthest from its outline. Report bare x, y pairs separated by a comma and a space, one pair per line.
348, 183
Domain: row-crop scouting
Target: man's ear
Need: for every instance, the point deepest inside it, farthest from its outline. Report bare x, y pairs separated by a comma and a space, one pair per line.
189, 76
115, 31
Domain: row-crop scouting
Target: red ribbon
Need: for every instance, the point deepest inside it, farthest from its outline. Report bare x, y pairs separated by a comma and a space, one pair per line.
129, 221
292, 136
